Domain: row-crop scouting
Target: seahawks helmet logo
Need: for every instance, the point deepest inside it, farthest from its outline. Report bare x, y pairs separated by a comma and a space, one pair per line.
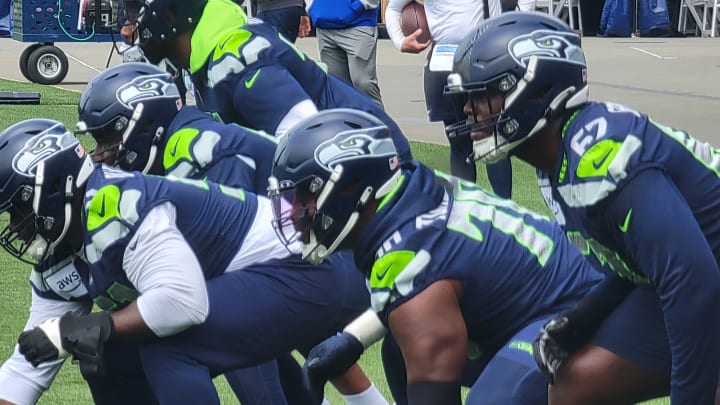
343, 147
40, 148
145, 88
546, 44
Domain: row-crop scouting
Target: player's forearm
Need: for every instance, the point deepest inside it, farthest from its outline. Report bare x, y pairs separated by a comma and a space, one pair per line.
669, 247
367, 328
595, 306
432, 392
392, 24
129, 325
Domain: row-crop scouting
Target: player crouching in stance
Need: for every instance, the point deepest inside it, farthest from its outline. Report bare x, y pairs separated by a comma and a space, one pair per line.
132, 112
450, 267
162, 260
637, 196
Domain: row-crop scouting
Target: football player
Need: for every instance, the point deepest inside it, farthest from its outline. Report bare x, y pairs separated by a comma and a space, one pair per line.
453, 271
244, 71
636, 195
447, 22
134, 115
58, 289
161, 258
131, 111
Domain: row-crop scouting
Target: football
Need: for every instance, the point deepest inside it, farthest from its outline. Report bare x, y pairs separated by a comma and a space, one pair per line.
412, 18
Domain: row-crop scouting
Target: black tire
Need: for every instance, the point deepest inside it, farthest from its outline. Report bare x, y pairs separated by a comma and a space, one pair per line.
47, 64
24, 56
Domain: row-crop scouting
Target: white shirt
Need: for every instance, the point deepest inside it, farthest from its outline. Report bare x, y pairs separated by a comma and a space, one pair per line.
449, 20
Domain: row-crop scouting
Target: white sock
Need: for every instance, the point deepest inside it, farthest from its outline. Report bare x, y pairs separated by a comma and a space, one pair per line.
325, 402
370, 396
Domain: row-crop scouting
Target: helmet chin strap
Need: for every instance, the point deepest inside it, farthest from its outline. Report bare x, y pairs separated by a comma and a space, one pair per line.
37, 248
136, 115
313, 251
151, 157
488, 151
86, 169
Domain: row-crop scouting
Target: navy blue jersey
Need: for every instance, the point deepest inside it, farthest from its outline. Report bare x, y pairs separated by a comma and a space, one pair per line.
515, 266
200, 147
644, 198
213, 219
255, 76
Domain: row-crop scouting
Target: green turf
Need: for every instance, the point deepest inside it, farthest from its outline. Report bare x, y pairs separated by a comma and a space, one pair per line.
69, 388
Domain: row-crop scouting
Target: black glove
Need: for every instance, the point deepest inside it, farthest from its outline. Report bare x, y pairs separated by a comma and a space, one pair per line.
548, 352
328, 360
82, 336
36, 345
565, 333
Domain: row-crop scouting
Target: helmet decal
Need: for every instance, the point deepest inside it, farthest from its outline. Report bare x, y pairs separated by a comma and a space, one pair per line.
146, 87
545, 44
343, 147
37, 149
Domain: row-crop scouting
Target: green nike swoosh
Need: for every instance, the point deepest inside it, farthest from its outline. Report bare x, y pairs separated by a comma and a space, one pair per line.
251, 82
624, 226
380, 275
598, 163
222, 45
174, 149
101, 213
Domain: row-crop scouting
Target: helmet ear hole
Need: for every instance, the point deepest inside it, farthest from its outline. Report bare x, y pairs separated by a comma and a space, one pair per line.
351, 154
540, 93
532, 58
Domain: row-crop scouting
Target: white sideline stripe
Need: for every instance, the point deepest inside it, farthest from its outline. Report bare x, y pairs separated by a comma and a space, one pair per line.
646, 52
82, 63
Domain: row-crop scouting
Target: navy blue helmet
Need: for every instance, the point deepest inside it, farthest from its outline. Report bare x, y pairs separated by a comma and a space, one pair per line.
339, 159
160, 21
534, 61
127, 109
42, 166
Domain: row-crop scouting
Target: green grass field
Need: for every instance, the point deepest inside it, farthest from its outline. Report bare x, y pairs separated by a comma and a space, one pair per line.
69, 387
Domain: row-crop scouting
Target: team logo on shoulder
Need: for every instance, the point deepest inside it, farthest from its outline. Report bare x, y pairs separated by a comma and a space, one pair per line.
39, 148
145, 88
343, 147
546, 44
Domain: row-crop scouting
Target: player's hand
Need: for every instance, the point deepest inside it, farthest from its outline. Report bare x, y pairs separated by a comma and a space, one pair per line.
551, 347
82, 336
305, 27
329, 359
410, 43
42, 343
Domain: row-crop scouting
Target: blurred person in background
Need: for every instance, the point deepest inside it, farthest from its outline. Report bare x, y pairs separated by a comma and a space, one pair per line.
449, 21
